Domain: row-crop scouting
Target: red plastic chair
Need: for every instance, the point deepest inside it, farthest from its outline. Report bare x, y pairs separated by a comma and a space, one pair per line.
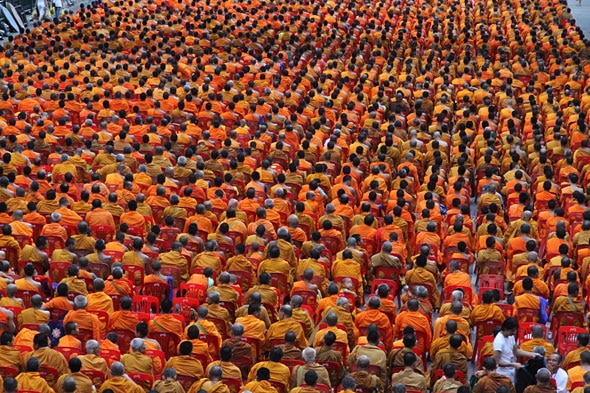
58, 270
26, 296
124, 340
280, 281
68, 352
8, 371
183, 306
459, 375
310, 298
111, 355
96, 376
526, 315
492, 281
468, 293
244, 278
49, 374
104, 232
168, 235
186, 380
168, 342
567, 338
101, 270
142, 379
234, 385
566, 318
482, 329
12, 253
525, 331
135, 274
157, 356
116, 256
156, 289
173, 272
507, 309
195, 291
23, 240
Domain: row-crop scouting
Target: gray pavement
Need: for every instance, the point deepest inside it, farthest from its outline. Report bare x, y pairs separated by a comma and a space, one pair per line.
581, 13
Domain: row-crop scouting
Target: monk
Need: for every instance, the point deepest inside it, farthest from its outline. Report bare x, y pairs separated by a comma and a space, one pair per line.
456, 311
123, 319
34, 314
92, 360
136, 361
284, 324
261, 384
254, 327
240, 348
278, 371
373, 315
527, 300
538, 340
175, 258
184, 363
364, 380
165, 322
419, 275
543, 385
450, 355
573, 356
491, 379
213, 384
31, 380
229, 369
116, 285
443, 341
74, 378
487, 311
75, 285
100, 301
414, 318
85, 319
119, 383
576, 374
70, 340
46, 356
9, 355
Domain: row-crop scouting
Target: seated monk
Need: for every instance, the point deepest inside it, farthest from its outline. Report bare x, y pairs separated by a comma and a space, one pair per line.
527, 300
229, 369
66, 254
209, 258
36, 254
544, 383
373, 315
456, 312
240, 348
538, 340
47, 356
116, 285
75, 285
100, 301
226, 293
200, 348
456, 296
119, 382
286, 323
75, 381
450, 355
487, 311
165, 322
9, 355
31, 380
213, 384
289, 347
34, 314
123, 319
331, 320
168, 383
92, 359
70, 340
414, 318
573, 356
278, 371
569, 303
443, 341
364, 380
10, 300
396, 356
85, 320
175, 258
221, 314
421, 276
55, 228
185, 363
136, 361
156, 275
261, 384
28, 283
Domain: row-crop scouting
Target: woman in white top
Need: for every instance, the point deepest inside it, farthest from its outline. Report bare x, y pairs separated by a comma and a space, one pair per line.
506, 351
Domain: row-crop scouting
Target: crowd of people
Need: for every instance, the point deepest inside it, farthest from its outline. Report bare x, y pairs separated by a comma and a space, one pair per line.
293, 196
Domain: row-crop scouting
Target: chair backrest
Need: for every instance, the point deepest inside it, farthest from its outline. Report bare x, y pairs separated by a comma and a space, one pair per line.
96, 376
168, 342
58, 270
8, 371
173, 272
124, 340
525, 330
116, 256
280, 281
104, 232
244, 278
233, 384
111, 355
49, 374
136, 274
492, 281
567, 338
186, 380
142, 379
194, 291
526, 315
68, 352
183, 306
156, 289
146, 304
101, 270
26, 296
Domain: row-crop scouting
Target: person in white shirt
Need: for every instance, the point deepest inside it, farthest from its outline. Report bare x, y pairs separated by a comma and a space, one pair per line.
506, 351
558, 373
